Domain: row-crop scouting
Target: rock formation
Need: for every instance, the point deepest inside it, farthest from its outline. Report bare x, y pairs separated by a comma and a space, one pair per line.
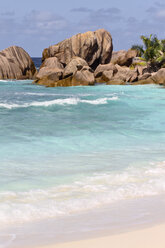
72, 61
110, 73
159, 77
94, 47
123, 58
126, 74
104, 73
156, 78
51, 66
86, 59
15, 63
77, 72
76, 64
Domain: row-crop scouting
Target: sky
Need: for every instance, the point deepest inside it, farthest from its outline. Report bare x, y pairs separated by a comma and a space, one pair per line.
37, 24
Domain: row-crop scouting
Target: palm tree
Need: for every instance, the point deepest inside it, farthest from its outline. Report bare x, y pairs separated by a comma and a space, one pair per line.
153, 50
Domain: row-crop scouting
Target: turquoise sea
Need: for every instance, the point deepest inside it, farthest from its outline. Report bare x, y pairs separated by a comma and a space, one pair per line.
72, 151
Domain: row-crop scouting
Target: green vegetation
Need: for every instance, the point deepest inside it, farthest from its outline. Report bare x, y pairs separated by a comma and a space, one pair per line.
142, 63
152, 50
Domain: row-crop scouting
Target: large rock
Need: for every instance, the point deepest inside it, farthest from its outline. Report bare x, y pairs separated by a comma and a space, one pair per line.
126, 74
159, 77
123, 58
144, 76
73, 66
53, 67
94, 47
83, 77
107, 67
156, 78
15, 63
104, 73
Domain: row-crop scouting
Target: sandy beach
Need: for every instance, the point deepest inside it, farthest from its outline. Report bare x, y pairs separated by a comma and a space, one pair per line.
152, 237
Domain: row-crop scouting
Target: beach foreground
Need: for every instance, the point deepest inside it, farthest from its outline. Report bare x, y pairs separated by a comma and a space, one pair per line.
144, 238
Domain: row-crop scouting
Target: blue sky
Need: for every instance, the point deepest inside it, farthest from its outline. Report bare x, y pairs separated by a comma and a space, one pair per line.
35, 25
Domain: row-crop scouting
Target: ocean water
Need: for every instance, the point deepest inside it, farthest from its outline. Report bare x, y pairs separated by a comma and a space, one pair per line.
69, 151
37, 61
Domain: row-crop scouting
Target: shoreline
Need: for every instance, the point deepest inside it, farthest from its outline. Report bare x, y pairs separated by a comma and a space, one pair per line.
78, 232
151, 237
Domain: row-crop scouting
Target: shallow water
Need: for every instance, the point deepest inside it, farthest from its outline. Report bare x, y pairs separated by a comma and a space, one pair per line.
64, 151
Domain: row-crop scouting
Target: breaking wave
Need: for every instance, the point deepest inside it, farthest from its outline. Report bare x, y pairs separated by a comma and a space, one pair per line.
67, 101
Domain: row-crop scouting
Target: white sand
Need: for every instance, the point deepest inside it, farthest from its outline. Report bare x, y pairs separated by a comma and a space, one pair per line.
153, 237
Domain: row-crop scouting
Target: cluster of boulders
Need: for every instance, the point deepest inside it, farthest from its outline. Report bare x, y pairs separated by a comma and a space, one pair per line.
74, 60
76, 72
84, 59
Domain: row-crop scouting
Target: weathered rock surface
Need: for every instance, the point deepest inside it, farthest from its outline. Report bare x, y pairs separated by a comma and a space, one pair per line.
126, 74
53, 67
73, 66
156, 78
104, 73
123, 58
102, 68
82, 77
15, 63
144, 76
94, 47
110, 73
77, 72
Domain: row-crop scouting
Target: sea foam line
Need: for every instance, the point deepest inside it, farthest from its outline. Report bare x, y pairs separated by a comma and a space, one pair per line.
90, 192
50, 94
67, 101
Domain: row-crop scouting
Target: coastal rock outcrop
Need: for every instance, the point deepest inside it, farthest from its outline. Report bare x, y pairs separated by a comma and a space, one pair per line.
144, 76
94, 47
15, 63
72, 61
159, 77
123, 58
86, 59
104, 73
77, 72
51, 66
155, 78
112, 74
126, 74
76, 64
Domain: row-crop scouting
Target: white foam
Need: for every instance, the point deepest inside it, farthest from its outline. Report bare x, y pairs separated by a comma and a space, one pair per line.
89, 193
5, 81
66, 101
100, 100
50, 94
